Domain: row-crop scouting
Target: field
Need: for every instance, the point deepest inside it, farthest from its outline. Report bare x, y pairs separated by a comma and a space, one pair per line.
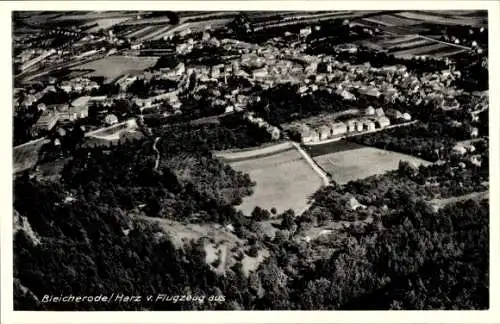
358, 163
105, 23
26, 156
284, 179
113, 67
331, 147
445, 18
391, 20
407, 46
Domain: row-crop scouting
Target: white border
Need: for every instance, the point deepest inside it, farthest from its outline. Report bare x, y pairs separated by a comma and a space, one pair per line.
8, 316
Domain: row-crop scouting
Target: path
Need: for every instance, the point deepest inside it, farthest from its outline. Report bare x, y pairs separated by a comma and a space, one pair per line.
314, 166
437, 204
253, 152
157, 162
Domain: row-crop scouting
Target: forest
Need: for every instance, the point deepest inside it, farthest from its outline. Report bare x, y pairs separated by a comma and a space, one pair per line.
86, 237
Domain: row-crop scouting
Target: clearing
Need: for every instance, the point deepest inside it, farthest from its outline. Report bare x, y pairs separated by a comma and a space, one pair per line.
360, 163
25, 156
284, 178
437, 204
221, 246
113, 67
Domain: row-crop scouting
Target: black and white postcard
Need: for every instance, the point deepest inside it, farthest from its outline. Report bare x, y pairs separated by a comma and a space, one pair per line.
264, 157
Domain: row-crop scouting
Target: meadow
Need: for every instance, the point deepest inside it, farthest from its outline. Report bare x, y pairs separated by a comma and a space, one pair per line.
358, 163
283, 179
113, 67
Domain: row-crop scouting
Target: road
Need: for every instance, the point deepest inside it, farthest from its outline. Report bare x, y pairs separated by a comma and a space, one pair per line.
314, 166
443, 42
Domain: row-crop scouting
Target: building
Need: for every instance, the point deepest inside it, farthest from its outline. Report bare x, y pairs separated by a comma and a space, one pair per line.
383, 121
369, 125
47, 120
474, 132
304, 32
274, 132
459, 149
353, 204
476, 160
110, 119
41, 107
370, 111
136, 46
324, 132
259, 73
359, 126
345, 94
81, 101
394, 114
307, 135
379, 112
337, 129
351, 126
66, 86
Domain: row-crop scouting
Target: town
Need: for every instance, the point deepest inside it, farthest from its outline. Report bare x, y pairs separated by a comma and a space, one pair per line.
272, 151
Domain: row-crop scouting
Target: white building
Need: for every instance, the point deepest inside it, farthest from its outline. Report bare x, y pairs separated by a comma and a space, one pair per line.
383, 121
338, 129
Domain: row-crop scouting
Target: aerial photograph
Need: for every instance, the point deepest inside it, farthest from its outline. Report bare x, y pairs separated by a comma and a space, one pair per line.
250, 160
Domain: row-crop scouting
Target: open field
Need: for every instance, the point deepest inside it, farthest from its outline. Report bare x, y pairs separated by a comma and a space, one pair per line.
137, 33
284, 179
359, 163
93, 15
331, 147
26, 156
415, 43
106, 23
445, 18
421, 50
393, 20
112, 67
407, 46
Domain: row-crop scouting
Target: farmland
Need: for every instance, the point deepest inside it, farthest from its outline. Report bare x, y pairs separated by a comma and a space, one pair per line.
358, 163
284, 179
407, 46
445, 18
113, 67
105, 23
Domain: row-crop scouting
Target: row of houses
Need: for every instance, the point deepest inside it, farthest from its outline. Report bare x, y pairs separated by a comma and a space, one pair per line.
313, 134
325, 127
